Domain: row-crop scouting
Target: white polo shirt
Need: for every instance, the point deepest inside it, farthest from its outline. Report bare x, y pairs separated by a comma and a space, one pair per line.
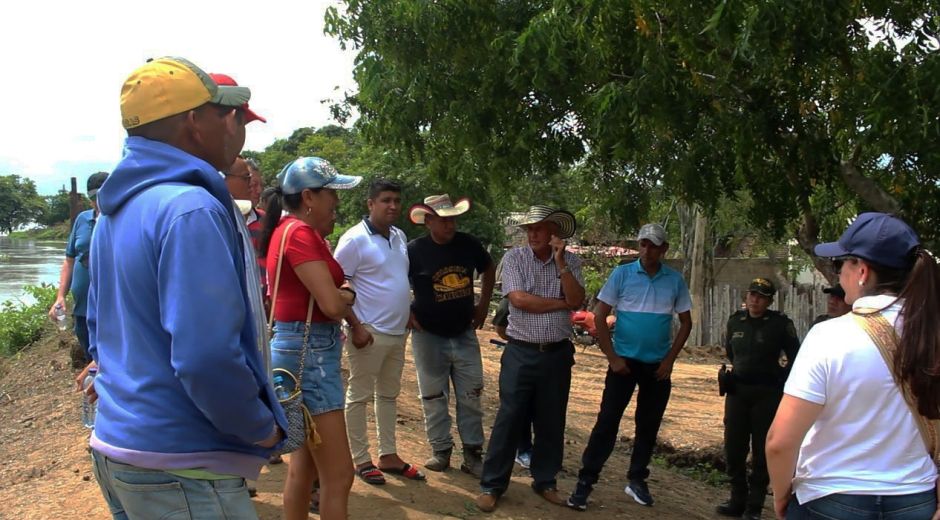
377, 269
865, 441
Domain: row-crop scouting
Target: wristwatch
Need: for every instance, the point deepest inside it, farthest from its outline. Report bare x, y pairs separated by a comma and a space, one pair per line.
564, 270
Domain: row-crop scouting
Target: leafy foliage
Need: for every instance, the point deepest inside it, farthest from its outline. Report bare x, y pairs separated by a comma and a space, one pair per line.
19, 202
21, 322
56, 208
802, 105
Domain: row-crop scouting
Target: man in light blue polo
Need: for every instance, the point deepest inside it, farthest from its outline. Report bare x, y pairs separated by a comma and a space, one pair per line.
646, 294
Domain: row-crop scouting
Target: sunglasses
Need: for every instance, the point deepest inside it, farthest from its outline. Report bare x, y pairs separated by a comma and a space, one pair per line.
839, 261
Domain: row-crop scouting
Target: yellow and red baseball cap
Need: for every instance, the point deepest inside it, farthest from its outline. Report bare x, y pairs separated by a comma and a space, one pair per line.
167, 86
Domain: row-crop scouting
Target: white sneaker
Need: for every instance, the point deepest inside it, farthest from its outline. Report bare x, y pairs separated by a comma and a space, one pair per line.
524, 459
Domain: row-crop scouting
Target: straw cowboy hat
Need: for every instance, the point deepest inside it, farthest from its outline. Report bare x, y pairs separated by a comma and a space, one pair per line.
438, 205
538, 213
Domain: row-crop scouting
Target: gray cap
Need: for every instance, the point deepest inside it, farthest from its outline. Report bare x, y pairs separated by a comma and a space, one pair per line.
652, 232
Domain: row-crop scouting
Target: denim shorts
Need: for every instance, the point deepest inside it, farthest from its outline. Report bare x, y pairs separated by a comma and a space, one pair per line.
322, 381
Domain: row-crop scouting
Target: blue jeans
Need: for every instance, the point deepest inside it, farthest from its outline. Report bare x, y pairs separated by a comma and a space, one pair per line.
322, 381
916, 506
438, 360
139, 493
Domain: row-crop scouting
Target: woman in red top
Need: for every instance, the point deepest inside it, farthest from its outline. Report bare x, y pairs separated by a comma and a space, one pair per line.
307, 192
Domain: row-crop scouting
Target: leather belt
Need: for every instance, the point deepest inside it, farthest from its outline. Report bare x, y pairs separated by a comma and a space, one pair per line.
541, 347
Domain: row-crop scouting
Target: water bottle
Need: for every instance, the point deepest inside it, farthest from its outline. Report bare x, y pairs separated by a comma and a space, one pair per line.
89, 409
60, 317
280, 389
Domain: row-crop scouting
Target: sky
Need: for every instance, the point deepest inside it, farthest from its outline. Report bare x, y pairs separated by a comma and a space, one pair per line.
64, 63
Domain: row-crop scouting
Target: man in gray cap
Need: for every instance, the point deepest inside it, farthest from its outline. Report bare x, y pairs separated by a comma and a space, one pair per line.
543, 283
645, 294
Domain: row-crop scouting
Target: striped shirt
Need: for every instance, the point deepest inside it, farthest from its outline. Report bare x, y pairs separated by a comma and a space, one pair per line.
645, 306
523, 271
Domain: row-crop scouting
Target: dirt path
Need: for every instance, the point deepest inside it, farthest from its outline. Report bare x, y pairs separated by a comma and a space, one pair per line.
45, 472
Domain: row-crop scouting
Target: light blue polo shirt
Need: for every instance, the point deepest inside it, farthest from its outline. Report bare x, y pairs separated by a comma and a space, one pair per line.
644, 308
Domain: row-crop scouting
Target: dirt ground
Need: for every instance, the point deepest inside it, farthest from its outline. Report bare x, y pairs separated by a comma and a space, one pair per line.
45, 471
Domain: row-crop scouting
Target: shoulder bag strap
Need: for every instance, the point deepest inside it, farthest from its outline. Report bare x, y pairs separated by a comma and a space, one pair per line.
885, 337
277, 278
277, 282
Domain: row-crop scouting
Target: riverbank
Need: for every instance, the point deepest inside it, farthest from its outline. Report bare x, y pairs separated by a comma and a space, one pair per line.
46, 472
57, 232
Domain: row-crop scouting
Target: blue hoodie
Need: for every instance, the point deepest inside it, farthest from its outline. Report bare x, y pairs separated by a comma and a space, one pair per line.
181, 384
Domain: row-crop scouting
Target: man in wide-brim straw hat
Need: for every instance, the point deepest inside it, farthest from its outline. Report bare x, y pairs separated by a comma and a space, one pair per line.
444, 319
543, 283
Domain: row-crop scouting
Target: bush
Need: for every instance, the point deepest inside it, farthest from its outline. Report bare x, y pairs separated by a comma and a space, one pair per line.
22, 323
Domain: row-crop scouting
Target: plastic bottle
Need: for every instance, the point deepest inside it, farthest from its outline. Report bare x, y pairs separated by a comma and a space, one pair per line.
60, 317
89, 409
279, 388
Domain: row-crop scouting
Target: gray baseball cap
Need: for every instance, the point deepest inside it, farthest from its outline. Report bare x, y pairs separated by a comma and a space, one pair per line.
652, 232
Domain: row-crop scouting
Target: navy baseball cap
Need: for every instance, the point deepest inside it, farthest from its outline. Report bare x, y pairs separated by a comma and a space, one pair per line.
311, 173
877, 237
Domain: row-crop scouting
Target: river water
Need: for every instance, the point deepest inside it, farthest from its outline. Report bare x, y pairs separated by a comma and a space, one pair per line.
28, 262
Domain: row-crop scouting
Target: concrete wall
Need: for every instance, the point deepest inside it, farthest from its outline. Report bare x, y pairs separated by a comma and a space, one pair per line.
736, 272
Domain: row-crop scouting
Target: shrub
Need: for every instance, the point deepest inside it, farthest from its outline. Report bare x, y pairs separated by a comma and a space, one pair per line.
22, 322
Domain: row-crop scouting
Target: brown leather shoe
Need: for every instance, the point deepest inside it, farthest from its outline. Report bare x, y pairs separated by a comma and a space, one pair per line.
486, 502
551, 495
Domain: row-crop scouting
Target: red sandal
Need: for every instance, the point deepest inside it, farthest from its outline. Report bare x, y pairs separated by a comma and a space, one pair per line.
408, 471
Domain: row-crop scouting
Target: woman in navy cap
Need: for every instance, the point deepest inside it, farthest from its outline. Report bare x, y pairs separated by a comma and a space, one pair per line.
855, 434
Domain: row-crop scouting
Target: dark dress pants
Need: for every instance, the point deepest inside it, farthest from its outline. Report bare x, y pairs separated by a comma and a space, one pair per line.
651, 403
749, 411
532, 384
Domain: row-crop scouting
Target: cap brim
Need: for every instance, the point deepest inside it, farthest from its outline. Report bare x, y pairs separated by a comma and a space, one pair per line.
655, 240
829, 250
343, 182
92, 192
230, 96
251, 115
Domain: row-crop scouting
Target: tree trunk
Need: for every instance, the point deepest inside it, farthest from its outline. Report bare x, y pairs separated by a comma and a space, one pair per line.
869, 190
697, 278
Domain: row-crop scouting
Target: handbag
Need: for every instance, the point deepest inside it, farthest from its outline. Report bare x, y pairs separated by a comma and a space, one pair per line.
300, 426
882, 333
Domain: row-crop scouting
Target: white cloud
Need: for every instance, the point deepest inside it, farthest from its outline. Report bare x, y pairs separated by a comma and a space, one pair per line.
64, 63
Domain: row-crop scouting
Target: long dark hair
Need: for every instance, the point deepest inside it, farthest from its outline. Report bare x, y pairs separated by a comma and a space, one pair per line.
917, 360
272, 215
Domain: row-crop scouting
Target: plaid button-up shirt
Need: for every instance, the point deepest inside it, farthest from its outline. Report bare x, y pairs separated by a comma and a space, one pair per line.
523, 271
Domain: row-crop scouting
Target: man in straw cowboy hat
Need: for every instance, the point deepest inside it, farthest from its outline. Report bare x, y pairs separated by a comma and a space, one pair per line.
444, 320
543, 282
645, 294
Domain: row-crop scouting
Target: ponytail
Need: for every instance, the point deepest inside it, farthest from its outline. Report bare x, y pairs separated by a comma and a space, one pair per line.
276, 204
272, 217
917, 361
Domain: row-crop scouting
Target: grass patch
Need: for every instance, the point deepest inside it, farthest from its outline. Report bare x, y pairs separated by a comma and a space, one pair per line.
23, 323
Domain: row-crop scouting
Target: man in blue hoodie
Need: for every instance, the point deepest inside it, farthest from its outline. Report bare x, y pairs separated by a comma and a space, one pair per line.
185, 411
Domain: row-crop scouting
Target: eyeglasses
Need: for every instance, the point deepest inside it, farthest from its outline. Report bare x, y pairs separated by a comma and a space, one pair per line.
246, 178
838, 262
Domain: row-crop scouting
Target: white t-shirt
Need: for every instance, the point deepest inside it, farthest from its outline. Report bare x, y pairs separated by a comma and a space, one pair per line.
865, 441
377, 269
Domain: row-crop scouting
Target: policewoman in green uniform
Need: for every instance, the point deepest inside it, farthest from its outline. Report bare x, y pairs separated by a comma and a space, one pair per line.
755, 338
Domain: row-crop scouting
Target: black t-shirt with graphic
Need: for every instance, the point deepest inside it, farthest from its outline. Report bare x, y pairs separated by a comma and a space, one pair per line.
442, 279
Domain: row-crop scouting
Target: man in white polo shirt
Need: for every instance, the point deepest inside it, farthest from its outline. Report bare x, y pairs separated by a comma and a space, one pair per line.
374, 257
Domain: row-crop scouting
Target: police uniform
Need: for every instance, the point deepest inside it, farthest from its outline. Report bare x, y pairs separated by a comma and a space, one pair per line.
754, 345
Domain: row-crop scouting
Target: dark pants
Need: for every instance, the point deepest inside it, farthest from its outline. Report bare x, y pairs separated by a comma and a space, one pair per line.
525, 440
916, 506
81, 332
749, 411
529, 380
650, 405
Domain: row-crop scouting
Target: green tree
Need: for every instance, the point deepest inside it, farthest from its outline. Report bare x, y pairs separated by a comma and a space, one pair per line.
56, 208
807, 106
19, 202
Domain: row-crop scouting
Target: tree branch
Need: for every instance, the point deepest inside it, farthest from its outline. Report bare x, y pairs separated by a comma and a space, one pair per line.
868, 189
